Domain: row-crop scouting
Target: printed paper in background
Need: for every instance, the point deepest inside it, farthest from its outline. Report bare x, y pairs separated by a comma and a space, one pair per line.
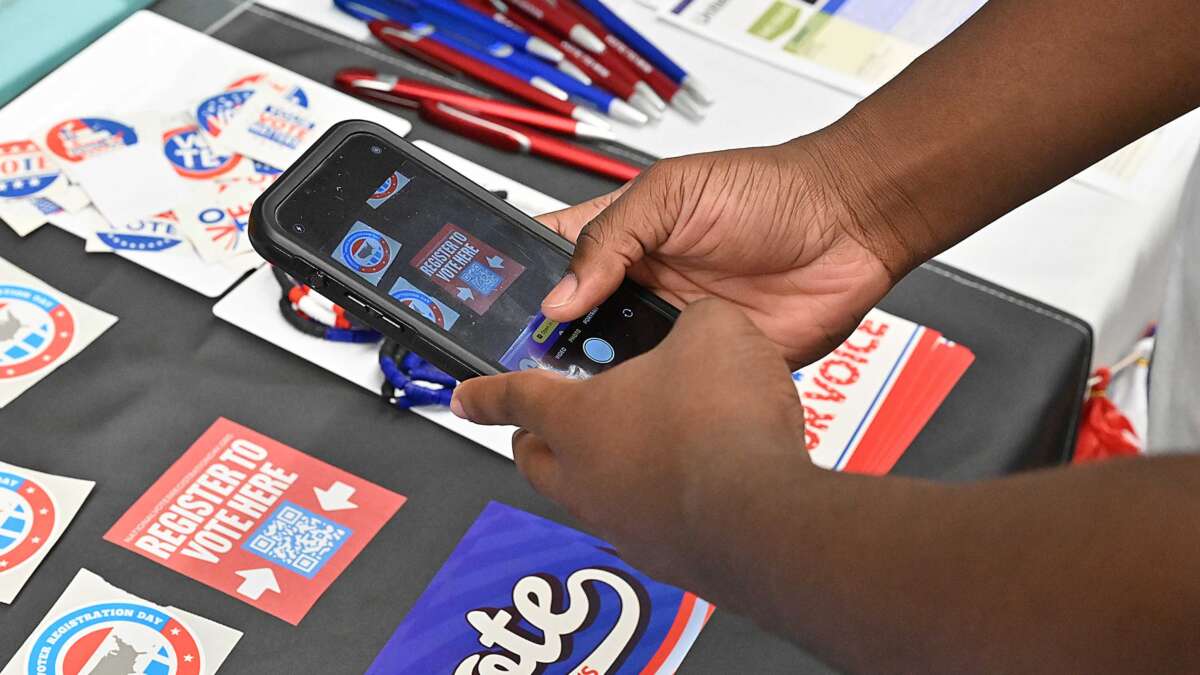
521, 594
254, 518
35, 509
99, 629
41, 328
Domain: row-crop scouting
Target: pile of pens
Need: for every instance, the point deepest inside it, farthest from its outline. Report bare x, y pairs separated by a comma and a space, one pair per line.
575, 60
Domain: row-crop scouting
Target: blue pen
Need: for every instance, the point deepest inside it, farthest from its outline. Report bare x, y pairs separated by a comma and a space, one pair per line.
482, 22
617, 26
367, 10
529, 69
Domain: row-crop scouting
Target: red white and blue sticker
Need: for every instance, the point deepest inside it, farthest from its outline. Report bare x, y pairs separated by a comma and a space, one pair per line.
35, 331
82, 138
384, 192
27, 517
192, 157
25, 170
35, 508
116, 637
435, 311
366, 251
214, 113
96, 628
147, 235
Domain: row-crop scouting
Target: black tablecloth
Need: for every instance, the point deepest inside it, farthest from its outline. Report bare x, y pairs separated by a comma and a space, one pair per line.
129, 405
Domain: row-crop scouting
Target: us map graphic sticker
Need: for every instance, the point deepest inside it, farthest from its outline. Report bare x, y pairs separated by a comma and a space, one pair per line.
521, 594
40, 329
466, 267
35, 509
96, 628
256, 519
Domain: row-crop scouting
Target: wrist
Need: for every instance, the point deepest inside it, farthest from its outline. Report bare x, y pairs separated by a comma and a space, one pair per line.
871, 192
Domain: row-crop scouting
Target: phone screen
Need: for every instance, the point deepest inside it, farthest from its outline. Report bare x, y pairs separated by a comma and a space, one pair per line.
449, 258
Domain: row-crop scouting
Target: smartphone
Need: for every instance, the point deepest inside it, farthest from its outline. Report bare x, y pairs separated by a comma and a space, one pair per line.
438, 263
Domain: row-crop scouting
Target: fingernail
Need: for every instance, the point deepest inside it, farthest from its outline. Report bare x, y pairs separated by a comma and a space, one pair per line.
562, 293
456, 407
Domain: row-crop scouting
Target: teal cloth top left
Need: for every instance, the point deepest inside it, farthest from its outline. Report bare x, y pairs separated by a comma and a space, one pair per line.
36, 36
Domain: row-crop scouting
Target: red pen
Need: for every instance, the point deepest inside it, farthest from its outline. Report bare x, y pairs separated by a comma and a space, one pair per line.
400, 37
662, 85
561, 21
409, 93
514, 138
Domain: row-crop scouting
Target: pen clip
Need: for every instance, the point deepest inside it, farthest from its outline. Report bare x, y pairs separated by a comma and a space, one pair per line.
453, 119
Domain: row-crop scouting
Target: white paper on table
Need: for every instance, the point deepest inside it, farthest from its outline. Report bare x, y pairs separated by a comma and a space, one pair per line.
41, 328
133, 634
253, 307
35, 510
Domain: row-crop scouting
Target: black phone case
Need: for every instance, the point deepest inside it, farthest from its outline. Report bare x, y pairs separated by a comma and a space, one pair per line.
274, 243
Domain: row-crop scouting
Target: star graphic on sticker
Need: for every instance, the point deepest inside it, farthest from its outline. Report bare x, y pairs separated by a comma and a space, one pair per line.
42, 512
3, 564
36, 540
174, 631
29, 490
188, 658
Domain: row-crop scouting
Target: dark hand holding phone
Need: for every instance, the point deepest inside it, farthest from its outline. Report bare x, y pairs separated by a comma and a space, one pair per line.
437, 262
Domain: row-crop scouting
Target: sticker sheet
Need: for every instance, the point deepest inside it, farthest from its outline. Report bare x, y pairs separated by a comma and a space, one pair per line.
256, 519
521, 594
141, 141
40, 329
35, 509
33, 186
99, 629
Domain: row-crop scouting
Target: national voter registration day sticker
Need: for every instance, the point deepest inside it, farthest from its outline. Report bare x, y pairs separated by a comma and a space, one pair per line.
521, 594
82, 138
256, 519
24, 170
96, 628
35, 330
35, 508
27, 516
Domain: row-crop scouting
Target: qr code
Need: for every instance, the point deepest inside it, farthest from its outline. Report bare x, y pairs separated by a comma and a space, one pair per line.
297, 539
481, 278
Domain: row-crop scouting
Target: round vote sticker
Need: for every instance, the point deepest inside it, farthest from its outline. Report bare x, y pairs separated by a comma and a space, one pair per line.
117, 637
35, 331
26, 519
367, 250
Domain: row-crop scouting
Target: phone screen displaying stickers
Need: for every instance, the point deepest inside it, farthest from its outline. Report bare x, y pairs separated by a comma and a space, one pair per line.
387, 189
35, 509
256, 519
40, 329
96, 628
366, 251
521, 594
118, 161
435, 311
466, 267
